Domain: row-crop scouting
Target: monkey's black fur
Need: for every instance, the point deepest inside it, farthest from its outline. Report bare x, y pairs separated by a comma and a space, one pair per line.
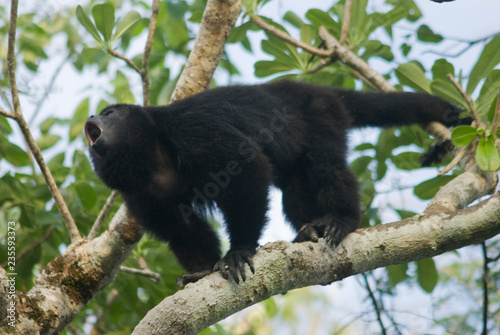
226, 146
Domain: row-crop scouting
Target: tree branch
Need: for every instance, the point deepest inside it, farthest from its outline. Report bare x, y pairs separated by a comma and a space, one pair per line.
7, 114
11, 61
71, 280
128, 61
145, 273
472, 109
283, 266
96, 227
287, 38
218, 20
147, 52
346, 22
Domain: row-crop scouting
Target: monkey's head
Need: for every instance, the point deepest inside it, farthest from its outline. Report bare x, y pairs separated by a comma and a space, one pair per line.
122, 145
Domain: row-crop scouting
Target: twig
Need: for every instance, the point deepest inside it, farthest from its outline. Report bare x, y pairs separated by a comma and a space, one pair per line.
6, 99
147, 52
375, 304
96, 227
7, 114
146, 273
128, 61
216, 23
458, 157
347, 57
486, 271
472, 110
287, 38
322, 65
11, 61
496, 117
346, 22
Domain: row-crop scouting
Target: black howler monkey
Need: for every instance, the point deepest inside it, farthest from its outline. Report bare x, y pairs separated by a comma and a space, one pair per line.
226, 146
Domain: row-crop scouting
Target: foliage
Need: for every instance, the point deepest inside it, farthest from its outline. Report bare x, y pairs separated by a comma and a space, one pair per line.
91, 32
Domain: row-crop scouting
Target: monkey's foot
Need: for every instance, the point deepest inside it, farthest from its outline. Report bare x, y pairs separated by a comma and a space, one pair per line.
233, 264
311, 232
192, 277
334, 231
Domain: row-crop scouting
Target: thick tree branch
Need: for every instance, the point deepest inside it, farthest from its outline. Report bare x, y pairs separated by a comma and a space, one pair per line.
71, 280
147, 52
218, 20
461, 191
283, 266
54, 190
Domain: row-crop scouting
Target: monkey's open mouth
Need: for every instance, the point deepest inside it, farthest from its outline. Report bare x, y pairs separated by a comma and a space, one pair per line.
92, 131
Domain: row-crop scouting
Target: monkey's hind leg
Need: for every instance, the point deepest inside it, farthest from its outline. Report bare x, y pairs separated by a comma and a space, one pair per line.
323, 199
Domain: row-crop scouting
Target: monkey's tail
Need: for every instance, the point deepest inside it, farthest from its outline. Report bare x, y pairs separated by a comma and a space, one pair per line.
398, 109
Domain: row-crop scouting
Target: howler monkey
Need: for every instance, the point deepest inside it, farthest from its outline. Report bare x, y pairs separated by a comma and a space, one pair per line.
224, 147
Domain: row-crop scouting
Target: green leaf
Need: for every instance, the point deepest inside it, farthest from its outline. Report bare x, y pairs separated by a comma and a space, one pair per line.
397, 273
405, 214
319, 18
446, 90
46, 141
488, 92
239, 33
360, 164
489, 58
86, 194
463, 135
104, 17
429, 188
307, 33
268, 68
293, 19
492, 109
405, 49
407, 160
79, 118
128, 23
441, 69
81, 165
427, 274
47, 124
364, 146
14, 154
88, 25
487, 157
93, 52
425, 34
412, 75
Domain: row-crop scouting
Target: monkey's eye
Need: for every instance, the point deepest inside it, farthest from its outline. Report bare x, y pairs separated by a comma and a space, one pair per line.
108, 112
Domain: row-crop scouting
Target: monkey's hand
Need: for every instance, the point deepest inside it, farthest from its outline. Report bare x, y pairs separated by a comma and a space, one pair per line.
233, 264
